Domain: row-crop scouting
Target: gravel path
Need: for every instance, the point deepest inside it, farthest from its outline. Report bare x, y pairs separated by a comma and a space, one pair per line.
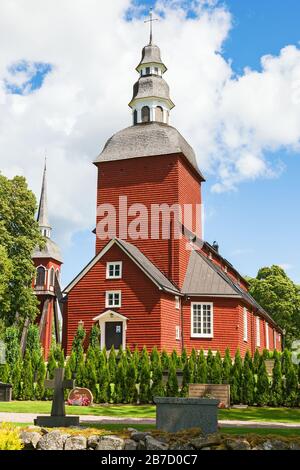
29, 417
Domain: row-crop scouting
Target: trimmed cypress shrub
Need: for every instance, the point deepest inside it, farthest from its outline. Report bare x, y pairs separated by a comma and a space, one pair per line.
256, 361
286, 361
262, 385
120, 383
104, 391
248, 384
226, 367
157, 387
59, 356
209, 362
91, 376
40, 379
184, 356
112, 364
216, 370
4, 373
172, 383
27, 378
291, 386
165, 360
94, 339
130, 383
187, 377
236, 379
144, 389
201, 368
277, 383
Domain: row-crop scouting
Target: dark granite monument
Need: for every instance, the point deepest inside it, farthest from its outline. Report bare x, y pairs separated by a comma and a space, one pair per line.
177, 414
5, 392
58, 416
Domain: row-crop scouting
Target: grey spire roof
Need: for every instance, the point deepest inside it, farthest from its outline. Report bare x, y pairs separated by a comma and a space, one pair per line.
151, 55
50, 250
42, 216
152, 86
145, 140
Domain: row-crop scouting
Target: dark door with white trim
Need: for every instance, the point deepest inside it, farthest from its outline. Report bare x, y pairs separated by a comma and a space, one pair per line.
113, 334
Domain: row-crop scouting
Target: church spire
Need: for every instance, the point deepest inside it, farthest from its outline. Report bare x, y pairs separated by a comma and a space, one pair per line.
42, 216
151, 100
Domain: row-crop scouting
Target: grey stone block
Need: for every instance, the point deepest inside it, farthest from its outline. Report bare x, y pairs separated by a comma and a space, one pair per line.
177, 414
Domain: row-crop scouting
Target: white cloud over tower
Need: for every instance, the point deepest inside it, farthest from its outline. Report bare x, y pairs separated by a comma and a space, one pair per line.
233, 122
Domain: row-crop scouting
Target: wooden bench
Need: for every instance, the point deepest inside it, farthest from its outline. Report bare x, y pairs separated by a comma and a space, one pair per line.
220, 392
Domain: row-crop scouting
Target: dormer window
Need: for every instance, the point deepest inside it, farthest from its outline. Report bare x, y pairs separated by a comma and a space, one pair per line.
114, 270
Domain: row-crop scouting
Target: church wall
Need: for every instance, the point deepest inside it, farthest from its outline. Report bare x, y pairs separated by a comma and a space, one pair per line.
164, 179
140, 302
226, 320
170, 318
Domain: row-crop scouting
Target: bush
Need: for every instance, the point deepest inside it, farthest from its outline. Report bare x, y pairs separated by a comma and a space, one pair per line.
291, 386
201, 368
226, 367
172, 383
27, 378
277, 384
263, 385
236, 379
10, 437
216, 370
248, 384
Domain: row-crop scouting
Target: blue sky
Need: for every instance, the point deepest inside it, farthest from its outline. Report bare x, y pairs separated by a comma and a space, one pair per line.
258, 224
255, 225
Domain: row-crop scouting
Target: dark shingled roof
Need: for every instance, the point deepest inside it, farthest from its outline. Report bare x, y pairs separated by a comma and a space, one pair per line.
151, 55
145, 140
151, 86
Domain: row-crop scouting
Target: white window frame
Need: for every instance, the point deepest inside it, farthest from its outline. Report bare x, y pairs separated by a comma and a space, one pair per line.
114, 264
202, 335
177, 302
258, 332
114, 305
177, 333
267, 336
245, 324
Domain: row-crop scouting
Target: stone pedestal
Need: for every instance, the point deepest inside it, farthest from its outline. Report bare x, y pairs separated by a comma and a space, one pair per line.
56, 421
177, 414
5, 392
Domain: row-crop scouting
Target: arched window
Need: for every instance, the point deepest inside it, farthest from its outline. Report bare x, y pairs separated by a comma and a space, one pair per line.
135, 117
52, 277
146, 114
40, 276
159, 114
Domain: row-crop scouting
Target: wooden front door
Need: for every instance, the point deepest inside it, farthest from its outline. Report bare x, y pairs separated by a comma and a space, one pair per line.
113, 334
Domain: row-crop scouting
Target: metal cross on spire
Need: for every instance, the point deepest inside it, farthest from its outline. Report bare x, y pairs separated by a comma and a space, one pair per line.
151, 20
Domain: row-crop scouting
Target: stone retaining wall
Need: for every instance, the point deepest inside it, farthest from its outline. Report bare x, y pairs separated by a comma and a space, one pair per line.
42, 439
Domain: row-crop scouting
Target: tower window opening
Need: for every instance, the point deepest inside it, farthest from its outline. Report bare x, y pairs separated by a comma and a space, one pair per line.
156, 70
159, 114
135, 117
40, 276
148, 70
52, 277
146, 114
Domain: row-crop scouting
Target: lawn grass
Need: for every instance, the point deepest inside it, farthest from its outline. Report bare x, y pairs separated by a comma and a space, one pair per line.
260, 432
283, 415
42, 407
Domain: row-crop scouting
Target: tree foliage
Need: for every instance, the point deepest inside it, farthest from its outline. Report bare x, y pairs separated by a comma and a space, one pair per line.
280, 297
19, 235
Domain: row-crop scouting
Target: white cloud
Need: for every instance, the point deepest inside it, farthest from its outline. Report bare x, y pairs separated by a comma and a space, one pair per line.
231, 121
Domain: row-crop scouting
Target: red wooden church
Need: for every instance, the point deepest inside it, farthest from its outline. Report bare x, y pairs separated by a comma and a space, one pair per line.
170, 292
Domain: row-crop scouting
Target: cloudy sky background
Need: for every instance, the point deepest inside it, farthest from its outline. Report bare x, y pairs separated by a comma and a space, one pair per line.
66, 73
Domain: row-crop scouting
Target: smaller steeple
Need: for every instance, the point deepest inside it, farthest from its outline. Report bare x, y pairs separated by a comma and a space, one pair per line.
42, 216
151, 100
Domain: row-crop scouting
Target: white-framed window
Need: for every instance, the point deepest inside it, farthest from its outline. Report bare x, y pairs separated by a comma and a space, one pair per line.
274, 332
267, 336
177, 332
114, 270
113, 298
177, 302
201, 320
257, 332
245, 322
